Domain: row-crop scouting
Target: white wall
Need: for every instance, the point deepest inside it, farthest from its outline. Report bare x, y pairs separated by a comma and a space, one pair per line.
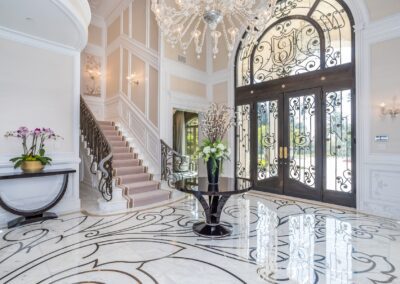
377, 40
36, 89
39, 87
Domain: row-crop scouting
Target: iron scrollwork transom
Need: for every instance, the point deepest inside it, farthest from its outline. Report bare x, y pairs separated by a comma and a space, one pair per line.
304, 36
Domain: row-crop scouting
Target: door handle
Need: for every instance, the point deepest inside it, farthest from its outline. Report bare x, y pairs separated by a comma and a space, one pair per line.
280, 152
285, 152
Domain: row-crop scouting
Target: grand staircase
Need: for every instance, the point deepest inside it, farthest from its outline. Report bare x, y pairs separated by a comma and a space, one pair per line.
139, 187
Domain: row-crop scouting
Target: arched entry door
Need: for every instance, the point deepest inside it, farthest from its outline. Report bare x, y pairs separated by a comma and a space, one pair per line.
295, 98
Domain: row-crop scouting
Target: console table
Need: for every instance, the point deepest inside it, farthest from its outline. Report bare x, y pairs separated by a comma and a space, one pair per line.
40, 214
218, 195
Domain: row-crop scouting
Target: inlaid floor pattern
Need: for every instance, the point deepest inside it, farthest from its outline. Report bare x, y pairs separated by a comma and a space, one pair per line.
274, 240
139, 186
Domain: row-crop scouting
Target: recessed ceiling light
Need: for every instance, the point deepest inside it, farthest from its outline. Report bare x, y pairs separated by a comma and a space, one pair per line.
28, 19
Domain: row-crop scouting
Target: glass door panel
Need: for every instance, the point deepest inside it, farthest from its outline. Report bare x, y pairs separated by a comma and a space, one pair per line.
267, 144
267, 140
243, 141
302, 144
338, 169
302, 139
339, 149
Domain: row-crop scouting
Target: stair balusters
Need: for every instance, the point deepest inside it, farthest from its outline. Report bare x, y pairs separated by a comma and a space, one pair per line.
99, 149
175, 166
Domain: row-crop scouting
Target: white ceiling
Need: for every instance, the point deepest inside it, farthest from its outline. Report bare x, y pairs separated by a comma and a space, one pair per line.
46, 19
103, 8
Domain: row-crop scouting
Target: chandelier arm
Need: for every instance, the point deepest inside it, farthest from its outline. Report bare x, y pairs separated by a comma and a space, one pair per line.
231, 21
228, 44
236, 16
189, 42
188, 25
204, 36
181, 24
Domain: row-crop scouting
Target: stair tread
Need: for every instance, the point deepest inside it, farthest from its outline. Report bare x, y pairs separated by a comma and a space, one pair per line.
105, 122
142, 183
126, 161
150, 193
124, 156
134, 175
122, 143
128, 167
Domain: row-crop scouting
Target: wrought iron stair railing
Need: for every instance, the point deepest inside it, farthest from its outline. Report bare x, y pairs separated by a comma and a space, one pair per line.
175, 166
99, 148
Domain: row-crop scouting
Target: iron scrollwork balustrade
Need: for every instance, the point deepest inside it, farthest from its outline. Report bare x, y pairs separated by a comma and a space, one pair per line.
175, 166
99, 149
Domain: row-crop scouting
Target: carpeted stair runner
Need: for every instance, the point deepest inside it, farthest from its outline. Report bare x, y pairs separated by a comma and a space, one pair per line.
139, 186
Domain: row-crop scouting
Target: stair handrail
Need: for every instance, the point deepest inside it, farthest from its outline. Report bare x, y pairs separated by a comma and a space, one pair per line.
171, 160
100, 149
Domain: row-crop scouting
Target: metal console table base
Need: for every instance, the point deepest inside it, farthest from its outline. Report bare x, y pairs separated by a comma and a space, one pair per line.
40, 214
20, 221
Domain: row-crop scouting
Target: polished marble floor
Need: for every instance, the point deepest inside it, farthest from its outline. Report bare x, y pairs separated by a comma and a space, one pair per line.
274, 240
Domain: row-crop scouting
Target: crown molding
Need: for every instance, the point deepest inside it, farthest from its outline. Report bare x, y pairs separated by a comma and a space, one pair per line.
34, 41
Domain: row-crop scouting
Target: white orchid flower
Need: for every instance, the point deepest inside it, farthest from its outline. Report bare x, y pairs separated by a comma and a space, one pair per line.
221, 146
206, 150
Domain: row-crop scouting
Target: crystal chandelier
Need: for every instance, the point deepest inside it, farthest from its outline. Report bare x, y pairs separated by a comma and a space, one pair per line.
186, 22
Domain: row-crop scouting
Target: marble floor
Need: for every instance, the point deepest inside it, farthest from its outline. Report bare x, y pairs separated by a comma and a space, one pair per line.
274, 240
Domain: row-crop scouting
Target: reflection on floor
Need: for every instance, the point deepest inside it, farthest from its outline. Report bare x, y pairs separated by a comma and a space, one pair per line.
274, 241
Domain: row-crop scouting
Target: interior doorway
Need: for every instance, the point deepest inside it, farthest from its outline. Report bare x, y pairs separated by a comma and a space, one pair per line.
186, 135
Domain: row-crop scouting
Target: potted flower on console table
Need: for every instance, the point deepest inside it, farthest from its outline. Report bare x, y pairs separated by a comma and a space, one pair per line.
214, 125
33, 159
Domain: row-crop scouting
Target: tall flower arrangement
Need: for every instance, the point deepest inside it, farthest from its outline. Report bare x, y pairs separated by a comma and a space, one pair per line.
214, 125
33, 144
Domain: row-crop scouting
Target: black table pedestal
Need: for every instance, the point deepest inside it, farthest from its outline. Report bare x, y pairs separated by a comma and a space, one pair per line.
205, 230
218, 194
213, 209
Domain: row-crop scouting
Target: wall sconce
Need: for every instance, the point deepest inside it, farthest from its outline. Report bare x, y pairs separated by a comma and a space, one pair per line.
132, 79
93, 88
93, 74
393, 112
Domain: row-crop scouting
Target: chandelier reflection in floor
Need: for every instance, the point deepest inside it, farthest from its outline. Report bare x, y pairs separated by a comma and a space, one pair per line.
186, 22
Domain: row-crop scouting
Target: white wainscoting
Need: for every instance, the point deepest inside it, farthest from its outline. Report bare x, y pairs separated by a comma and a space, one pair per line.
378, 192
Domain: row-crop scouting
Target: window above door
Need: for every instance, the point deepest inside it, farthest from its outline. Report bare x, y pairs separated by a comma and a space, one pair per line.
304, 36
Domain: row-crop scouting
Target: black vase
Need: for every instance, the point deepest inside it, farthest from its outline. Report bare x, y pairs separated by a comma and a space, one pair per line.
213, 177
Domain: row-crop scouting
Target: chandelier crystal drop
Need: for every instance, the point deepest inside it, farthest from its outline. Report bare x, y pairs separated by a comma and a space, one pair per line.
186, 22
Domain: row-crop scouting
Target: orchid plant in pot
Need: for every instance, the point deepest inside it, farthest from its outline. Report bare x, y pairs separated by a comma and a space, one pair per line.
214, 125
34, 157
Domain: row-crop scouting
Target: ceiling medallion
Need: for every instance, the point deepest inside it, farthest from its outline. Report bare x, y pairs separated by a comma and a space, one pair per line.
186, 22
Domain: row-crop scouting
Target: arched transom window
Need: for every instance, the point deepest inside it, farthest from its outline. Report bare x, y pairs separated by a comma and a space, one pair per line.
303, 36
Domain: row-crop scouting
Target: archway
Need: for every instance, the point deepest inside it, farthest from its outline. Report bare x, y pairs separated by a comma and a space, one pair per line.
295, 96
